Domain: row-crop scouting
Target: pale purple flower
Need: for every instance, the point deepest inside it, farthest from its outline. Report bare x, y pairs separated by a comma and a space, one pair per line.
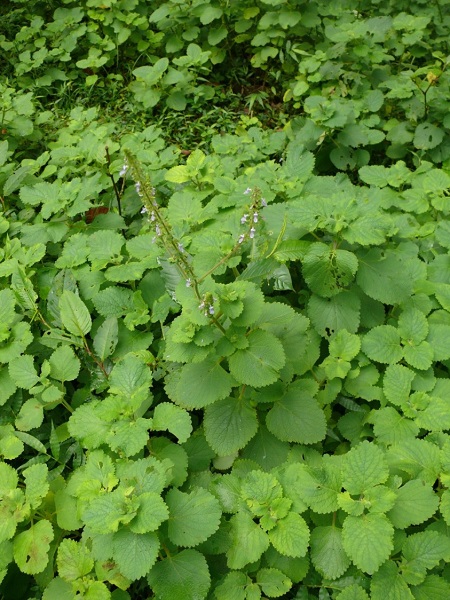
181, 248
263, 202
241, 238
188, 282
244, 219
211, 310
123, 170
152, 216
157, 229
255, 217
252, 232
248, 191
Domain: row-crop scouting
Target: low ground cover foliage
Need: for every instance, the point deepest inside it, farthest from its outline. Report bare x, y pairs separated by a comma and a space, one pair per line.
224, 348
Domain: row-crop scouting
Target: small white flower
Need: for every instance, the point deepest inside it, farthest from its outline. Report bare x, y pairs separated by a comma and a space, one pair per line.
123, 170
188, 282
255, 217
137, 185
244, 219
252, 232
144, 211
152, 216
241, 238
263, 202
157, 229
181, 248
211, 310
248, 191
202, 305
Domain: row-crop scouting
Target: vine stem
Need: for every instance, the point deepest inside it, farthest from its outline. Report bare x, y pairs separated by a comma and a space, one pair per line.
116, 191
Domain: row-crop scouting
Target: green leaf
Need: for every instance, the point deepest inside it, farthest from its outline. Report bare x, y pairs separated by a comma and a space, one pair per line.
135, 553
75, 316
65, 366
248, 541
382, 276
388, 584
129, 436
345, 345
8, 478
329, 316
74, 560
183, 576
390, 427
202, 384
427, 136
438, 337
7, 313
290, 536
23, 289
30, 415
233, 587
444, 506
382, 344
420, 356
368, 540
397, 384
152, 511
260, 491
193, 517
104, 247
85, 425
327, 271
258, 364
265, 449
297, 417
432, 588
106, 338
353, 592
317, 487
74, 253
131, 377
31, 547
420, 459
114, 301
229, 425
291, 250
17, 343
421, 552
416, 502
23, 372
37, 486
273, 582
327, 552
364, 467
10, 446
105, 513
172, 418
178, 174
209, 14
413, 326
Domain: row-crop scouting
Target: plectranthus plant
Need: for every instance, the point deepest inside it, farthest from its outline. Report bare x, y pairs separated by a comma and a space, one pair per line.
236, 389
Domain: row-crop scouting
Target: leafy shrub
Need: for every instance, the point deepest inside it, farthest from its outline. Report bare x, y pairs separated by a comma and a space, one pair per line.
224, 375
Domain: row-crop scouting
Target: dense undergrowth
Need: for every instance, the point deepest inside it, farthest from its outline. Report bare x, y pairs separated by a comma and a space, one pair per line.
224, 300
